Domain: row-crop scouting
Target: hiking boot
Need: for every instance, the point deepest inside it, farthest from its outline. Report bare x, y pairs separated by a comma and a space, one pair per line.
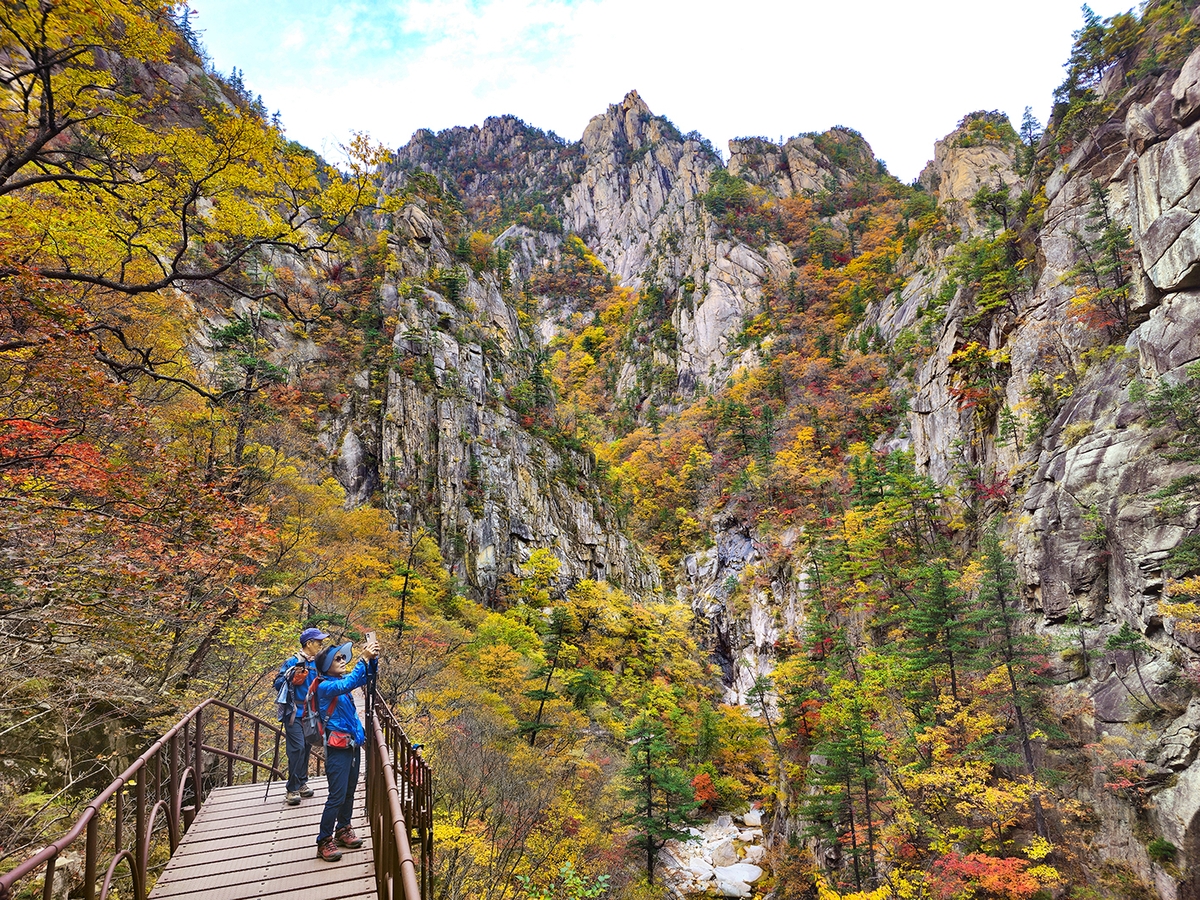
328, 851
292, 798
305, 791
347, 838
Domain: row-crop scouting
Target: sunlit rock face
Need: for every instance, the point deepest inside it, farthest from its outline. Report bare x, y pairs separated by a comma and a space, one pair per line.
1083, 529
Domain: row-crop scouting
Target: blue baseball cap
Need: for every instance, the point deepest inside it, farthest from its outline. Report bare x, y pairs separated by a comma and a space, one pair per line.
312, 634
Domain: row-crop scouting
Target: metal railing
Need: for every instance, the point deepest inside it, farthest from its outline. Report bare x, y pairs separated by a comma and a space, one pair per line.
161, 791
399, 806
156, 799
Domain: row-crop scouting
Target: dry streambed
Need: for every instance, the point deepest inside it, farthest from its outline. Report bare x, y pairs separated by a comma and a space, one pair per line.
722, 859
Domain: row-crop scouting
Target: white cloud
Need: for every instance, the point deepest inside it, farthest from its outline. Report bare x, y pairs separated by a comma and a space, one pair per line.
901, 73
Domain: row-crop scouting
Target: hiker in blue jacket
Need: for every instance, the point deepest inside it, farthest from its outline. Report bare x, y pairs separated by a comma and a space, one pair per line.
344, 735
295, 677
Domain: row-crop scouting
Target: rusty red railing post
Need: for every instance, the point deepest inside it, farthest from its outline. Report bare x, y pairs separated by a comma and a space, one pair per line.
140, 830
275, 755
198, 765
229, 747
48, 885
173, 776
91, 849
119, 823
254, 769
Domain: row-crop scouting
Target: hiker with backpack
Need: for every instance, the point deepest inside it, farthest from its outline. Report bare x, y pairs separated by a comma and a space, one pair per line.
292, 684
343, 736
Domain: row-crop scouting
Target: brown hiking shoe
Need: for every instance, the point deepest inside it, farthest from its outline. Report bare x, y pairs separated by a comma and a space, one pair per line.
328, 851
347, 838
305, 791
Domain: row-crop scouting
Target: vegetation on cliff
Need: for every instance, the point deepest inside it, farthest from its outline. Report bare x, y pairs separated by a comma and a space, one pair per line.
194, 307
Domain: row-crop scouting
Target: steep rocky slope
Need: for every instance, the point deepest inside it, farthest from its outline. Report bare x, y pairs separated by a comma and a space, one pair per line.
1075, 469
450, 432
630, 188
1088, 534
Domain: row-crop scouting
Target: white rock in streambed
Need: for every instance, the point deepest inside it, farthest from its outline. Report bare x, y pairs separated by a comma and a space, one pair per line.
739, 872
732, 889
754, 854
724, 854
700, 870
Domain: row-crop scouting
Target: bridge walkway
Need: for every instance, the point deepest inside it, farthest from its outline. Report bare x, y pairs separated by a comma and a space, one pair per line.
193, 800
244, 847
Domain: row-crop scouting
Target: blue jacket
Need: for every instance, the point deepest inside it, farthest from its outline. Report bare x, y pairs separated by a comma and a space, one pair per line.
344, 716
297, 693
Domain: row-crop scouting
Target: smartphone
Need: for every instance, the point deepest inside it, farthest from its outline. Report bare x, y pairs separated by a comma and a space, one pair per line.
370, 637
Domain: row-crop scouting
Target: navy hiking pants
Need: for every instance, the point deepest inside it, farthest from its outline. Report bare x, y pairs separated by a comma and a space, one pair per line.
341, 770
298, 751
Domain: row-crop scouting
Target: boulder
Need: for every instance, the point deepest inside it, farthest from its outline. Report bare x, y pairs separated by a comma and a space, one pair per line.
753, 818
416, 225
724, 854
733, 888
701, 871
739, 872
754, 854
1186, 91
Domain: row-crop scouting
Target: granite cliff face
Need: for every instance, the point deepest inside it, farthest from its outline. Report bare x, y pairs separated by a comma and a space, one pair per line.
1087, 536
631, 188
500, 489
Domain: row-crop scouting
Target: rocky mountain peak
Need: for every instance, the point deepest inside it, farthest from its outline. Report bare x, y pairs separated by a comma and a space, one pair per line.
624, 125
803, 164
979, 153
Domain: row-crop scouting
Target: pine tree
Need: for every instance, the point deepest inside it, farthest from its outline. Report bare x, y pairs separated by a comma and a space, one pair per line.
663, 800
1126, 640
942, 630
1102, 276
244, 370
559, 625
760, 699
1018, 649
844, 807
1031, 135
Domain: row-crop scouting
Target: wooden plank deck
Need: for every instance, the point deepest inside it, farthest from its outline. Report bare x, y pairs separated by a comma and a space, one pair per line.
242, 848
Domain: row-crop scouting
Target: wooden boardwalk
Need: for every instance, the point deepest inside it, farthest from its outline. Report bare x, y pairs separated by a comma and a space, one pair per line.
242, 848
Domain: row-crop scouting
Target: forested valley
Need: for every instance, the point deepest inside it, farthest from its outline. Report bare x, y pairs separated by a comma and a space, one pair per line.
859, 519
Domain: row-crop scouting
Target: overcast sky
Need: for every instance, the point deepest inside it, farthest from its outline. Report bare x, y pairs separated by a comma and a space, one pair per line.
902, 73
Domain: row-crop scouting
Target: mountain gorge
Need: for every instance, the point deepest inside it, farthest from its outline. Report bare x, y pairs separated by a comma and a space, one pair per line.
1017, 394
782, 485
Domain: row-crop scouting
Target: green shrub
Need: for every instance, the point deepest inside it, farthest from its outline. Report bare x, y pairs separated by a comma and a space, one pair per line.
1161, 850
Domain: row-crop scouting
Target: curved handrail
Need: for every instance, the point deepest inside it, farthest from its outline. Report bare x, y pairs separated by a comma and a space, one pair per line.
399, 855
399, 803
183, 753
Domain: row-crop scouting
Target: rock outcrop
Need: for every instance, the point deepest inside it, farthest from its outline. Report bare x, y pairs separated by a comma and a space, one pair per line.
721, 858
632, 188
1087, 536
